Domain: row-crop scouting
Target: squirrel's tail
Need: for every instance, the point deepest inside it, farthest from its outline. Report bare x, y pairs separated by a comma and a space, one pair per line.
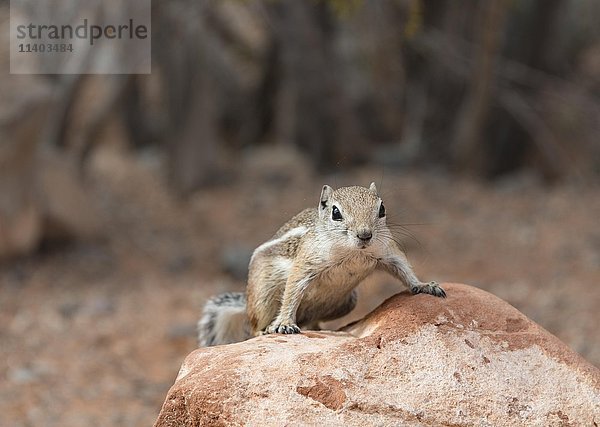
224, 320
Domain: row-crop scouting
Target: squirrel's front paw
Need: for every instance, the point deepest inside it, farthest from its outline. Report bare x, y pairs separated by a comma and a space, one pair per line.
431, 288
283, 328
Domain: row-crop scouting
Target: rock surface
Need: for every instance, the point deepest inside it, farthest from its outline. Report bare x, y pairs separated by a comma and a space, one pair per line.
470, 359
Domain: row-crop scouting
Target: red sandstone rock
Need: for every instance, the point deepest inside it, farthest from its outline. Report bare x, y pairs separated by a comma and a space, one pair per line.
470, 359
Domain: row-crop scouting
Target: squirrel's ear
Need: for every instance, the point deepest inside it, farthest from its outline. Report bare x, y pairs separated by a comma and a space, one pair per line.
373, 188
325, 194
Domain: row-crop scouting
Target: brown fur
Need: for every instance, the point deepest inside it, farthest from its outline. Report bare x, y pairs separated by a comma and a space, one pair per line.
310, 268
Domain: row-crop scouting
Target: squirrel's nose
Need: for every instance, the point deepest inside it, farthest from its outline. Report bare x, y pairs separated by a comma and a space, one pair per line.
364, 235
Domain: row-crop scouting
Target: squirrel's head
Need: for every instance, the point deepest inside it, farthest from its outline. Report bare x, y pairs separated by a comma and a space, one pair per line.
355, 215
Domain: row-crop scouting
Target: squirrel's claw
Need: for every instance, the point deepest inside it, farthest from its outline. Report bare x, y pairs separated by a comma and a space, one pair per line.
283, 329
431, 288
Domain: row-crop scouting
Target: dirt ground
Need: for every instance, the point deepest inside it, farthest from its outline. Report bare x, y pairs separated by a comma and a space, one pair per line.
93, 333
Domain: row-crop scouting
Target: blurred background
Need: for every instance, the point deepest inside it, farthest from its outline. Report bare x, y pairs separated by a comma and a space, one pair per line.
127, 200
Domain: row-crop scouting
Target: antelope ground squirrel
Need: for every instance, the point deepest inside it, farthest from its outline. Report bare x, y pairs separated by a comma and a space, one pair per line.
309, 270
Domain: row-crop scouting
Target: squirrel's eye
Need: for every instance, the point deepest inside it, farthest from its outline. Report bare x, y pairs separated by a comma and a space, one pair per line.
381, 211
336, 214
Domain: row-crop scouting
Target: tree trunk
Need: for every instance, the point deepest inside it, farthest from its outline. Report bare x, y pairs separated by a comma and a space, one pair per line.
472, 117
